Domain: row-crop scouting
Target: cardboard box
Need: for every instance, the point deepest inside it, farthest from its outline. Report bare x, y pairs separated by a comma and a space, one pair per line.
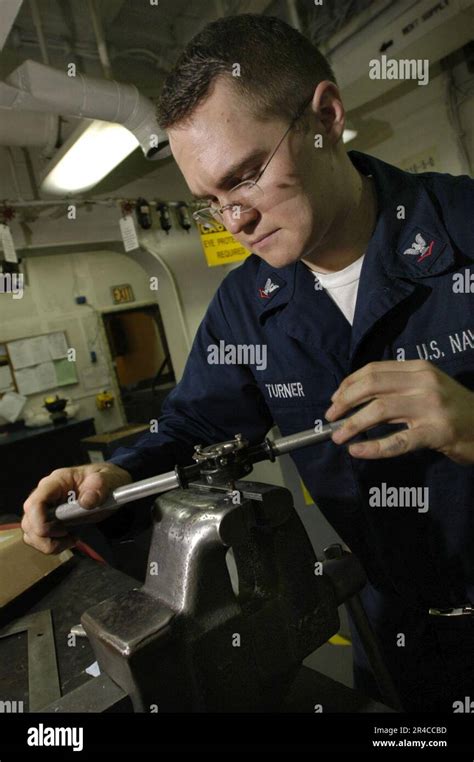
21, 565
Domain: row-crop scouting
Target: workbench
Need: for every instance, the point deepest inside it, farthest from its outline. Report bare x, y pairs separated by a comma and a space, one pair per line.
28, 454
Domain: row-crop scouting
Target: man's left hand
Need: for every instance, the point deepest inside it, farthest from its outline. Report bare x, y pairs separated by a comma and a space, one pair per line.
438, 411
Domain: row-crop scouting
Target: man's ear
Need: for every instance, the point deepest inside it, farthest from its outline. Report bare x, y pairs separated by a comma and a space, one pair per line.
329, 109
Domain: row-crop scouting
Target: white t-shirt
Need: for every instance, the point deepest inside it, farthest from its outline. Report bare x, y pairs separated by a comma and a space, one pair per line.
342, 286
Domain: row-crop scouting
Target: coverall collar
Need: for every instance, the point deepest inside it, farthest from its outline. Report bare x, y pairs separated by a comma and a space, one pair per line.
409, 244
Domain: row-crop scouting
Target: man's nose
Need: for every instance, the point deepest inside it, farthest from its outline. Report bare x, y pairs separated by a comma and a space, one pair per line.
235, 219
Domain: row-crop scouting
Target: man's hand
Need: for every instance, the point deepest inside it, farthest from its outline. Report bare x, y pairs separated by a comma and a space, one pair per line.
91, 484
438, 411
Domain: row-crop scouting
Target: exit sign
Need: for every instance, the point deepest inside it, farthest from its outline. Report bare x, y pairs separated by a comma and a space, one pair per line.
122, 293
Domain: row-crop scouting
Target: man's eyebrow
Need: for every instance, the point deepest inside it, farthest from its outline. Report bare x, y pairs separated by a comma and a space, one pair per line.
234, 170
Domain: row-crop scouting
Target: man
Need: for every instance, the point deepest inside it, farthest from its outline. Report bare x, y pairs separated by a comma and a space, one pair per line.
351, 298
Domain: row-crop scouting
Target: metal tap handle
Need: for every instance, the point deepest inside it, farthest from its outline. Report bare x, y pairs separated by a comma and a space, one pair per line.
72, 513
305, 438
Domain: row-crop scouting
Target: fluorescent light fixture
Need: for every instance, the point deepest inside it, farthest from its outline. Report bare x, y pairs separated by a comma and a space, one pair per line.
349, 135
93, 150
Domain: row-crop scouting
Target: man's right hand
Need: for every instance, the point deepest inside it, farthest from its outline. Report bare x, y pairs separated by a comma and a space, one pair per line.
91, 485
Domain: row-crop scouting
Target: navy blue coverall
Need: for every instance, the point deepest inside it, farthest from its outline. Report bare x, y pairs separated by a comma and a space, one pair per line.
413, 302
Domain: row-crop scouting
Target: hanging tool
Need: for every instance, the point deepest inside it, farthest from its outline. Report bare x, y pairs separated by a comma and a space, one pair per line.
143, 213
183, 216
165, 219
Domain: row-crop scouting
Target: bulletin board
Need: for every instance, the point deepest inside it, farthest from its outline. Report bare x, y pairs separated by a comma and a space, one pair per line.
37, 364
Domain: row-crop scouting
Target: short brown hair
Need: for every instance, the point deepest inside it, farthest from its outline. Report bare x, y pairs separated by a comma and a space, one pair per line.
279, 68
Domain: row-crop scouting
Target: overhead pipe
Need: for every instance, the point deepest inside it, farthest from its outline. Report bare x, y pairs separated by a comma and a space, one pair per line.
39, 30
293, 15
28, 129
36, 87
100, 39
50, 145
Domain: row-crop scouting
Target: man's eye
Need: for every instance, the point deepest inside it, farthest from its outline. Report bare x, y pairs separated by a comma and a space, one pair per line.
252, 176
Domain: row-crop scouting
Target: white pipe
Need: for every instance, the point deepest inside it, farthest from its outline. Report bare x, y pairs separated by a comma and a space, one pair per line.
293, 15
39, 30
97, 201
100, 39
36, 87
23, 128
49, 145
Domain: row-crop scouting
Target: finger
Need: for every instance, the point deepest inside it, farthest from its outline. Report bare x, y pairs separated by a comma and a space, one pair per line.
370, 386
49, 491
390, 447
42, 528
391, 408
47, 545
50, 488
93, 490
34, 520
55, 529
384, 366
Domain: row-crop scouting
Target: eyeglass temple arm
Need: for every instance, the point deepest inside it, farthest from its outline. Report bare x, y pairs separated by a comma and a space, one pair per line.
298, 114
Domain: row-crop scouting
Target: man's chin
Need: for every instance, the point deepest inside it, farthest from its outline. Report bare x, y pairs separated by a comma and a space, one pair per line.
278, 259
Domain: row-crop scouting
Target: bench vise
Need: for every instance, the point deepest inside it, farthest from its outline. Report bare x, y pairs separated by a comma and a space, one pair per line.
194, 637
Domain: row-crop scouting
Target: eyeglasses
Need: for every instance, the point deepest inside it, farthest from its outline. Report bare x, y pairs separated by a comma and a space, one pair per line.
246, 195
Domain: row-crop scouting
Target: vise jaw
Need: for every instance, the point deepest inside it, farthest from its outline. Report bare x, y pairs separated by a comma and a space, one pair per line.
188, 641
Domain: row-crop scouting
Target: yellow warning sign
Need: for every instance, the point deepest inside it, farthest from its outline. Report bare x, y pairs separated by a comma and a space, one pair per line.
339, 640
220, 247
307, 497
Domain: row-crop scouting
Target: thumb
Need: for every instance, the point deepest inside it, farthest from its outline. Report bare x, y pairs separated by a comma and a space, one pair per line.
93, 491
90, 498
